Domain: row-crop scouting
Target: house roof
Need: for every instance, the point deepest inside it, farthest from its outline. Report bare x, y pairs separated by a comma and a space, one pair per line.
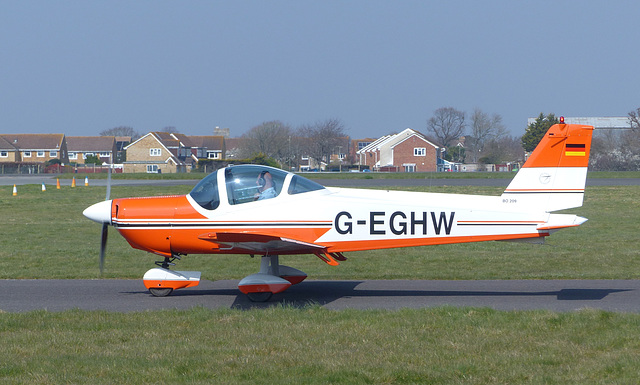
90, 143
34, 141
419, 135
5, 145
208, 142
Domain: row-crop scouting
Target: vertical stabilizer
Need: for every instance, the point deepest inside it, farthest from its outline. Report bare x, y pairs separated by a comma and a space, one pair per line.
554, 176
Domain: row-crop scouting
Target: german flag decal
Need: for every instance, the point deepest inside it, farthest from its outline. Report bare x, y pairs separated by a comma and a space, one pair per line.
575, 150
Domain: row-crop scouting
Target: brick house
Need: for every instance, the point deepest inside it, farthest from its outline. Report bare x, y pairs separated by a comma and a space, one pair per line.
82, 146
151, 153
408, 151
33, 148
165, 152
208, 147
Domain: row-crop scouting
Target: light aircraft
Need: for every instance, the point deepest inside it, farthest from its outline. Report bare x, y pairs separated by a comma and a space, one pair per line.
225, 214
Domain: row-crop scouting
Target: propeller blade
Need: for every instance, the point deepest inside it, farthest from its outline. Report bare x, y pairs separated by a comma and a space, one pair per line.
108, 184
103, 245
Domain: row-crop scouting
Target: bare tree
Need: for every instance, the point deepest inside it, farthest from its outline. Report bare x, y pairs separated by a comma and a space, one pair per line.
324, 138
484, 128
121, 131
447, 125
269, 138
170, 130
634, 118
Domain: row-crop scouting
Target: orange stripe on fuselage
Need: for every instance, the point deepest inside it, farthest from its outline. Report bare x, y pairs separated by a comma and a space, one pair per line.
347, 246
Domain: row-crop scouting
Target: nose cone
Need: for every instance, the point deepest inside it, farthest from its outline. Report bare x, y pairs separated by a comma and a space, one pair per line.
99, 212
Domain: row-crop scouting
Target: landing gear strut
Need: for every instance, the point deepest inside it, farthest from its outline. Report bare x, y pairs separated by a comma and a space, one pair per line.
273, 278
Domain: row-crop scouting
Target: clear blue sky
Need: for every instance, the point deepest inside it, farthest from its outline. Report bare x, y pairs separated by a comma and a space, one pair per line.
79, 67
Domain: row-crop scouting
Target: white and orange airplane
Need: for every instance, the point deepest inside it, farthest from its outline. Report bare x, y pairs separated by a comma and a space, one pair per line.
258, 210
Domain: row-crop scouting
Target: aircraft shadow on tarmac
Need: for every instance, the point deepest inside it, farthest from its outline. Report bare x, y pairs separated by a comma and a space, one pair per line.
324, 292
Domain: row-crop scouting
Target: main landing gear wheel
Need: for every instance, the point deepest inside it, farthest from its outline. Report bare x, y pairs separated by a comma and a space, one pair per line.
161, 291
262, 296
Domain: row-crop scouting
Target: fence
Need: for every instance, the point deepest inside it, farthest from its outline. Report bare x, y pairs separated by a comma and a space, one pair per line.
42, 168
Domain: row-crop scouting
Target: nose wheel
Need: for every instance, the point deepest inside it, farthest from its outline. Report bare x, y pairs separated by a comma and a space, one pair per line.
160, 292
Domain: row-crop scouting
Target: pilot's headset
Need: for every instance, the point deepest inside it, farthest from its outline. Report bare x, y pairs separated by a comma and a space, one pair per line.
261, 181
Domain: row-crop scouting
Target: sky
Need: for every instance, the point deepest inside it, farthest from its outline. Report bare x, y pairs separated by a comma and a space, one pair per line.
81, 67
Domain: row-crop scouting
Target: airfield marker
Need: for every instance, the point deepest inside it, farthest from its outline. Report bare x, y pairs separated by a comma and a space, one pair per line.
58, 183
86, 181
73, 182
15, 190
43, 187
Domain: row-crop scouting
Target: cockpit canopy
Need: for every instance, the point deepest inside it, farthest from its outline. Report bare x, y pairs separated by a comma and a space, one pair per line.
249, 183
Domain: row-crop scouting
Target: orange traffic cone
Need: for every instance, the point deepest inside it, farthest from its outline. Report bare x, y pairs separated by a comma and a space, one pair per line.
58, 183
86, 180
43, 187
15, 190
73, 182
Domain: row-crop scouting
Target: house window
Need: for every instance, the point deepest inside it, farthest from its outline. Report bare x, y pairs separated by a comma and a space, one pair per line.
73, 155
409, 167
362, 145
86, 154
213, 155
53, 154
4, 154
419, 151
152, 168
104, 154
155, 152
27, 154
40, 154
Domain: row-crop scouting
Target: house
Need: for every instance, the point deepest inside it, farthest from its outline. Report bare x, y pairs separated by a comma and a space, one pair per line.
164, 152
104, 147
208, 147
408, 151
33, 148
356, 145
154, 153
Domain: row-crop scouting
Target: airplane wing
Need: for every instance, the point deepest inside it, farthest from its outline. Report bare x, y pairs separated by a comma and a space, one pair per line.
251, 243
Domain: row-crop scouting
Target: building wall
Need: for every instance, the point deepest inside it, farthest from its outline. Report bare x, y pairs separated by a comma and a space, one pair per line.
138, 156
10, 158
165, 168
139, 151
403, 153
370, 158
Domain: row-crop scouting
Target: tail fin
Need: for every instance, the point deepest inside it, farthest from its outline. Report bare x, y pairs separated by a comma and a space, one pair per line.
554, 176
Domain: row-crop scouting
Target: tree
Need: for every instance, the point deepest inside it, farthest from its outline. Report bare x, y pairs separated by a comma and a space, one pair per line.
613, 150
324, 138
484, 128
269, 138
634, 119
447, 125
93, 159
536, 130
121, 131
171, 130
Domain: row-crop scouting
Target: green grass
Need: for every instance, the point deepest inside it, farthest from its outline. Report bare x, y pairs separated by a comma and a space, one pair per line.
44, 235
318, 346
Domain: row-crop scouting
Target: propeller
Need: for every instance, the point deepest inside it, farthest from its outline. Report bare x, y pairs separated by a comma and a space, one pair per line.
105, 225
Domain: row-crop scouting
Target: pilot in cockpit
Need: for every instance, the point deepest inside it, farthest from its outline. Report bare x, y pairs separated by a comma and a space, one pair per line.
266, 186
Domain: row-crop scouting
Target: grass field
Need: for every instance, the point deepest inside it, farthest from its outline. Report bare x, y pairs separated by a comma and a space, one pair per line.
44, 235
317, 346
